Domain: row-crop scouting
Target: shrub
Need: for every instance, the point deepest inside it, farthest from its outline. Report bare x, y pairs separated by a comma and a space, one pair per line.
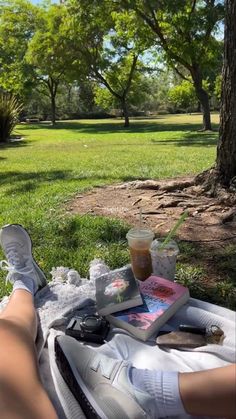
10, 108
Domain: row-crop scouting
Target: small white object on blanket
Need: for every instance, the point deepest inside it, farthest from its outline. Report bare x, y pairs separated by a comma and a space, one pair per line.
68, 292
62, 274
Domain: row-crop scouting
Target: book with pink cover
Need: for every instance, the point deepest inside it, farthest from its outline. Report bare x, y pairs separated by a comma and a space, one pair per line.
161, 299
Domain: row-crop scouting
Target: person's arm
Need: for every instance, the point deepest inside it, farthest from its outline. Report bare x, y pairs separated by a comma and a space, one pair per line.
210, 392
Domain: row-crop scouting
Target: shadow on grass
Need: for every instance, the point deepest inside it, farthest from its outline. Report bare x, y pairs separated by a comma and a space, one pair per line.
30, 181
109, 128
197, 259
191, 139
14, 144
201, 139
79, 239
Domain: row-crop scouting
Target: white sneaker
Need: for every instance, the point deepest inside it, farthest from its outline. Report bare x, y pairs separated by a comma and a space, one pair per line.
101, 384
17, 246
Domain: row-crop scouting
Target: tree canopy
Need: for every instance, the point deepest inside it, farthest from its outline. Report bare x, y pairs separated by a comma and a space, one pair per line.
48, 53
113, 45
122, 53
185, 31
18, 22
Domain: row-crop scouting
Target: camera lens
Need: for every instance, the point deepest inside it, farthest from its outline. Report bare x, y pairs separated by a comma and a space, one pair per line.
91, 323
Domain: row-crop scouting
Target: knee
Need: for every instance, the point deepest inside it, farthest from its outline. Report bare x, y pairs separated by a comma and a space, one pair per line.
9, 325
12, 332
6, 327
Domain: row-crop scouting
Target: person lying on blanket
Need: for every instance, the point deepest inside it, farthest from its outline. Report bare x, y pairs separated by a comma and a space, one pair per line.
105, 387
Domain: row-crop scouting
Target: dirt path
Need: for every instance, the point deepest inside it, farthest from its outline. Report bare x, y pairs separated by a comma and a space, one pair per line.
161, 203
210, 226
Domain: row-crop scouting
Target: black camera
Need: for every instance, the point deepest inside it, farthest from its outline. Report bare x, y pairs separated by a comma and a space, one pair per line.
89, 328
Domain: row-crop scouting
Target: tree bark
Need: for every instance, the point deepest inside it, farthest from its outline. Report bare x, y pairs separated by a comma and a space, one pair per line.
52, 86
226, 150
206, 113
53, 109
202, 96
125, 113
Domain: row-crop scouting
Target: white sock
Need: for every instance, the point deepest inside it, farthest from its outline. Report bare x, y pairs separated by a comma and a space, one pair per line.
25, 283
163, 386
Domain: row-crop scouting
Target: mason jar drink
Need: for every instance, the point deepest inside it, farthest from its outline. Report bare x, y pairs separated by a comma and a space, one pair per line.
164, 258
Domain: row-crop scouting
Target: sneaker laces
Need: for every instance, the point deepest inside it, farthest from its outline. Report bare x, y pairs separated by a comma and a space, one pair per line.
14, 266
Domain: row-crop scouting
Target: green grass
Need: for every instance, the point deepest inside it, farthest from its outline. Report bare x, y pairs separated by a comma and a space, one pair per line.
39, 174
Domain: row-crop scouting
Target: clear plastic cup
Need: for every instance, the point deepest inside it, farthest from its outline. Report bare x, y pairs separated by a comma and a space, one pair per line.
139, 241
164, 260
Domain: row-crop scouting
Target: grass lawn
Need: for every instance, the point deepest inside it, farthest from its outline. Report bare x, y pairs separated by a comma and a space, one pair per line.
40, 173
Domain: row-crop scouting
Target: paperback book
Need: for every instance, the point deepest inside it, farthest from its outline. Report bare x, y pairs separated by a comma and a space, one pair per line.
116, 291
161, 299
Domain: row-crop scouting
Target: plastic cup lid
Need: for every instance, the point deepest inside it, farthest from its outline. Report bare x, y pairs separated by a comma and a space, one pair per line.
140, 233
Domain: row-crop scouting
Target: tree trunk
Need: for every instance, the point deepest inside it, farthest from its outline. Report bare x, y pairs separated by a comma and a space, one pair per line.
125, 113
206, 114
203, 97
226, 150
52, 87
53, 109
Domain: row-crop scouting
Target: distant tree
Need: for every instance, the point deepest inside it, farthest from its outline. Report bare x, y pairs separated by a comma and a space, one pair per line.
157, 86
103, 98
183, 96
136, 97
86, 95
99, 36
185, 30
37, 105
18, 22
49, 55
218, 86
118, 78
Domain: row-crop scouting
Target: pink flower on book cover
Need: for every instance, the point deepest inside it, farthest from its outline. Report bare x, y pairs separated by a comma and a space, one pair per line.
116, 287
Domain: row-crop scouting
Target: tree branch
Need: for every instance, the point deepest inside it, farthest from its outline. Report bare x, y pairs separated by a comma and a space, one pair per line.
179, 73
135, 58
102, 79
192, 8
157, 29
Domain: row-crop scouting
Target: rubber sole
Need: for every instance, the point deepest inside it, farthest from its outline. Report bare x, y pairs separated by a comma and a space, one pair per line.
75, 384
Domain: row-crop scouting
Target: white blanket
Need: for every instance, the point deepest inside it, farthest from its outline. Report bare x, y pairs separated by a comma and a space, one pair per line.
59, 301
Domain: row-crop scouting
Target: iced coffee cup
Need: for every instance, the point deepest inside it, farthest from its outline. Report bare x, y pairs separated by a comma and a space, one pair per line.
139, 241
164, 258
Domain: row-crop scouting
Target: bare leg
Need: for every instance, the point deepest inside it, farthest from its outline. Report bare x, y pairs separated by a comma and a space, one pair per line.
209, 393
20, 310
22, 395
